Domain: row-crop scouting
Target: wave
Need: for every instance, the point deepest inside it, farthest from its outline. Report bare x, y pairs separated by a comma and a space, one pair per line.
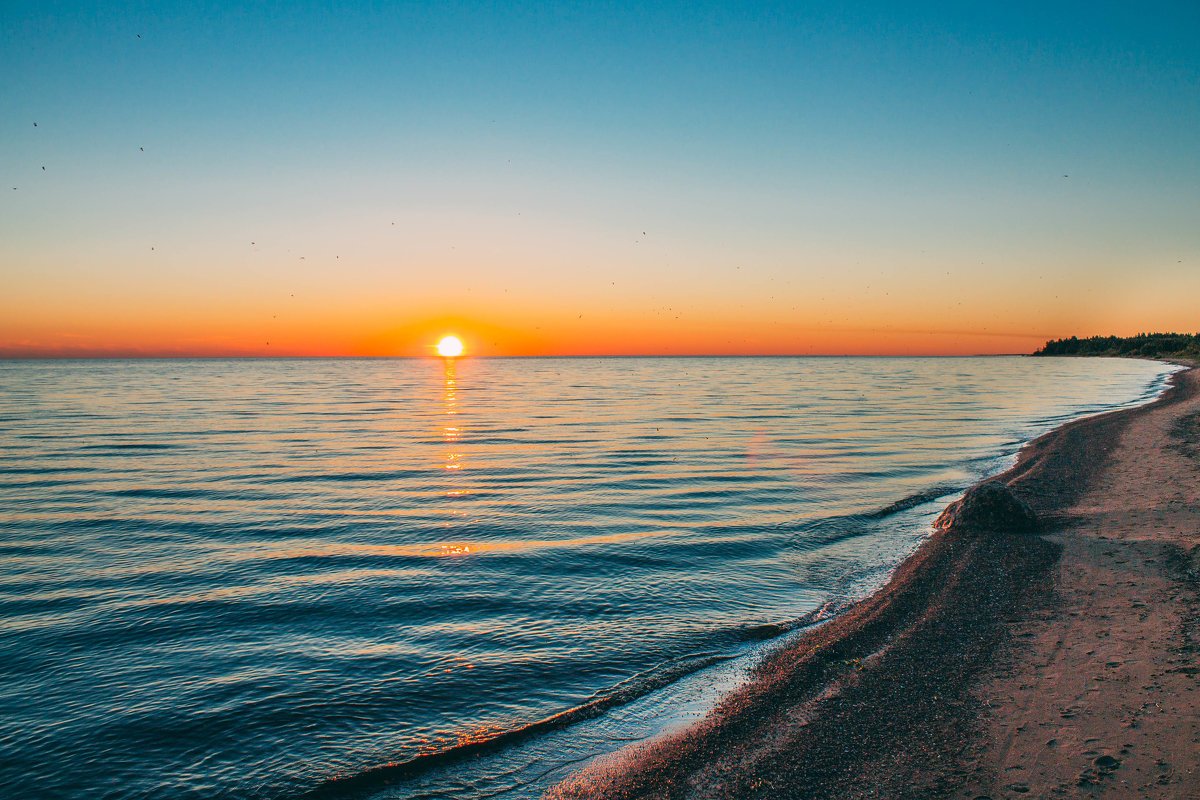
337, 477
912, 501
161, 494
625, 692
126, 446
27, 470
773, 630
838, 527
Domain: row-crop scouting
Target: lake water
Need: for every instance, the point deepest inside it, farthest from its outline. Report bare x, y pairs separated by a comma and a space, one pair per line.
244, 578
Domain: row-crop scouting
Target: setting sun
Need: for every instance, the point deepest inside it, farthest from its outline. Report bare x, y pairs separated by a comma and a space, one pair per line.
450, 347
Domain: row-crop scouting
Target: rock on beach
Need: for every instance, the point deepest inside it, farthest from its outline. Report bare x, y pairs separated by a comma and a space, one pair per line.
989, 507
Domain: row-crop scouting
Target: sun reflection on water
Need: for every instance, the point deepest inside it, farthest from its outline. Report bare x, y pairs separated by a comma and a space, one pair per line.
451, 431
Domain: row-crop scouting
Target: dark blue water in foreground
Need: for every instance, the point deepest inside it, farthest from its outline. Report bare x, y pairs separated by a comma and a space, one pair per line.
244, 578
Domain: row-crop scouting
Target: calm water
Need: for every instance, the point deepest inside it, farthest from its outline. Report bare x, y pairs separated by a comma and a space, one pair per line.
242, 578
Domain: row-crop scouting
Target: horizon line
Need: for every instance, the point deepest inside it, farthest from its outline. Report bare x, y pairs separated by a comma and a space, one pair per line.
256, 357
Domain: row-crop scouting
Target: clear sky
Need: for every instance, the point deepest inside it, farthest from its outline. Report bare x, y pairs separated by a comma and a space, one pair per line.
358, 178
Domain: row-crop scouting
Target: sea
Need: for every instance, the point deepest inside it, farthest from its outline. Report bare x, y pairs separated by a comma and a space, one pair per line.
424, 578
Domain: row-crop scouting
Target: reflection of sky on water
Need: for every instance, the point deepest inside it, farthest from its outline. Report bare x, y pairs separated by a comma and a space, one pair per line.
268, 566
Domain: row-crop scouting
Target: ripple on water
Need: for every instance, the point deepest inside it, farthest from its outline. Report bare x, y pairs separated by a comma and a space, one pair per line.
245, 578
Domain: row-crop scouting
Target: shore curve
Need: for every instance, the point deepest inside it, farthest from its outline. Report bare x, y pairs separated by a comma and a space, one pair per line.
900, 696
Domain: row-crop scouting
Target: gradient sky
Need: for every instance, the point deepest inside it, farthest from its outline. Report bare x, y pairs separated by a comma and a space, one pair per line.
358, 178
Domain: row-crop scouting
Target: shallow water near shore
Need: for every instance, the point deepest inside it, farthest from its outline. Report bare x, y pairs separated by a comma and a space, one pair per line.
236, 578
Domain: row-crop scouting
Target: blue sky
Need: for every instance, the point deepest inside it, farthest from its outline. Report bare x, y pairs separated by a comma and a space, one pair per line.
773, 153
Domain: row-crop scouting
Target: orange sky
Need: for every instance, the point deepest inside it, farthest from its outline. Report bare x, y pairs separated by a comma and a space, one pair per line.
309, 326
209, 299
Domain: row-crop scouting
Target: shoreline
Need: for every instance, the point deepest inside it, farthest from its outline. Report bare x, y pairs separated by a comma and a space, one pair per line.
884, 700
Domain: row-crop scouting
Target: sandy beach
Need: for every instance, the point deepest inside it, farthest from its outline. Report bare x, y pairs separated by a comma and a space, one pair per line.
1057, 663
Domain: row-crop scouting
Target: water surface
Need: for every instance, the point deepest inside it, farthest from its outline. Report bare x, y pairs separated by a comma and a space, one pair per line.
240, 578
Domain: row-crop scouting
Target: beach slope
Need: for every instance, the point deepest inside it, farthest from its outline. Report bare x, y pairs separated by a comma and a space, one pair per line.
1052, 662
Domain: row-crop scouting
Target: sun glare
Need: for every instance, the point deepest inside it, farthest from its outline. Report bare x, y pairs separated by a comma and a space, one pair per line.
450, 347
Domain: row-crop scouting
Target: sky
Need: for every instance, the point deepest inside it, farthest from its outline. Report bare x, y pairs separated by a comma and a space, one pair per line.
303, 178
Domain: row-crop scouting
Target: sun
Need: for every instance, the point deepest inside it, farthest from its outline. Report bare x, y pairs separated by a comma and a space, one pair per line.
450, 347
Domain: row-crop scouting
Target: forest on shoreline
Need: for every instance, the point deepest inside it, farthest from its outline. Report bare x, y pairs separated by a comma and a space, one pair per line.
1144, 345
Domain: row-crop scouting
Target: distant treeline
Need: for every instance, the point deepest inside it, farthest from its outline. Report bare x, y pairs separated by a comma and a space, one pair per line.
1144, 345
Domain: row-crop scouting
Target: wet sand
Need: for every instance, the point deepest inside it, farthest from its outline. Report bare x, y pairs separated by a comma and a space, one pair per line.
1059, 664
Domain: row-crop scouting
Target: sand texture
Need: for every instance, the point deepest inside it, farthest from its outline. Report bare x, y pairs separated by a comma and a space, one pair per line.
1060, 662
1098, 695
